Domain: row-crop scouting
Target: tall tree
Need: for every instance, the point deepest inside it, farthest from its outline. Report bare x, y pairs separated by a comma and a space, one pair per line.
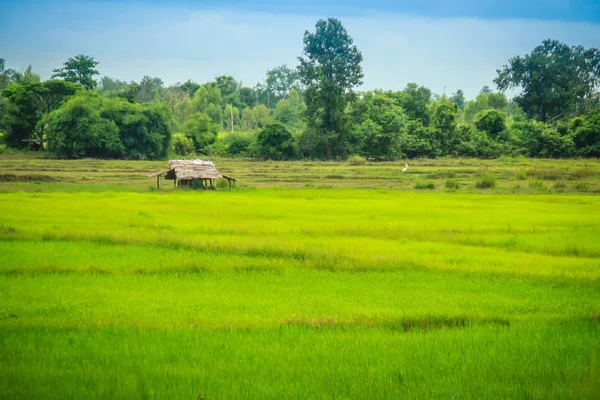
329, 67
556, 80
79, 69
280, 80
29, 104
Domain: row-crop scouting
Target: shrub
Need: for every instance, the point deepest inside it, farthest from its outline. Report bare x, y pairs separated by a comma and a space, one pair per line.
451, 184
357, 160
424, 185
581, 186
275, 142
182, 145
238, 144
485, 182
536, 185
491, 122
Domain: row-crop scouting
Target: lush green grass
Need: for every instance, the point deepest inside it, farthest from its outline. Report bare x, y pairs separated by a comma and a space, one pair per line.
301, 292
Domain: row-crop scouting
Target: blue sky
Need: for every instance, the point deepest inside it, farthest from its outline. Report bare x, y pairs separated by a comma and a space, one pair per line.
435, 43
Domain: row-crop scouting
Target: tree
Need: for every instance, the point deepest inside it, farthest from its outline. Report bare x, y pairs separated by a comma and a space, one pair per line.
110, 87
172, 96
79, 69
8, 76
77, 130
491, 121
189, 87
230, 90
290, 110
557, 81
201, 130
329, 68
280, 80
261, 116
248, 97
275, 142
182, 145
415, 99
28, 105
150, 89
586, 134
458, 98
485, 100
144, 130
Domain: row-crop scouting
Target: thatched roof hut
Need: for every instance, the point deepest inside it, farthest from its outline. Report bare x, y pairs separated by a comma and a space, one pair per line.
183, 172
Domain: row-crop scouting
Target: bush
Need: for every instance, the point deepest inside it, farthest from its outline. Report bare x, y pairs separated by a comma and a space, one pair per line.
92, 126
357, 160
536, 185
485, 182
491, 121
275, 142
182, 145
451, 184
424, 185
238, 144
77, 130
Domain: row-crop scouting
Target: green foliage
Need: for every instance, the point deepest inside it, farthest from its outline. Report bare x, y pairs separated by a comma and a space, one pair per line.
415, 100
485, 100
555, 79
275, 142
201, 130
181, 145
289, 111
459, 99
93, 126
144, 130
490, 121
79, 69
357, 160
329, 67
28, 104
278, 84
238, 144
377, 123
77, 130
586, 134
424, 185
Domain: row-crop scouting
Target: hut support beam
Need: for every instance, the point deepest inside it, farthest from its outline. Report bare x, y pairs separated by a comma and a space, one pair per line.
158, 181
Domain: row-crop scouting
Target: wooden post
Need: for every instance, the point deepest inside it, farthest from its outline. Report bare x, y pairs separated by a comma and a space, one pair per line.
158, 181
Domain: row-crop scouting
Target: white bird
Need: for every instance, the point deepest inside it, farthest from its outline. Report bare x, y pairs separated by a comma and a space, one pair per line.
405, 167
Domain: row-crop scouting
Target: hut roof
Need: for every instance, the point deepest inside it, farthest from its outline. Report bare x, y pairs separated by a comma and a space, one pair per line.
190, 169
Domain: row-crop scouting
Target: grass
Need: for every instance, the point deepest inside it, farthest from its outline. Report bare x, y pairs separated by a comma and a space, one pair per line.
28, 172
485, 182
296, 292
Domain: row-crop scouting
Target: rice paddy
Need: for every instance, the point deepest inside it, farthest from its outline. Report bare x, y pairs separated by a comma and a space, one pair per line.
300, 288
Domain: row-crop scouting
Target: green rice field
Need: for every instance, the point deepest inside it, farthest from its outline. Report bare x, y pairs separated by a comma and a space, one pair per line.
306, 281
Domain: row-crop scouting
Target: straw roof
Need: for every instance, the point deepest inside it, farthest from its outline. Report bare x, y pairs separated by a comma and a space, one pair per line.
188, 169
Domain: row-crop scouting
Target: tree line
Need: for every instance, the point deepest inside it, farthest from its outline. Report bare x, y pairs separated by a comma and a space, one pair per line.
314, 111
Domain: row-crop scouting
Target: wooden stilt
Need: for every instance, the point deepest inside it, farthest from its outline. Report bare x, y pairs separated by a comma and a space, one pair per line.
158, 181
